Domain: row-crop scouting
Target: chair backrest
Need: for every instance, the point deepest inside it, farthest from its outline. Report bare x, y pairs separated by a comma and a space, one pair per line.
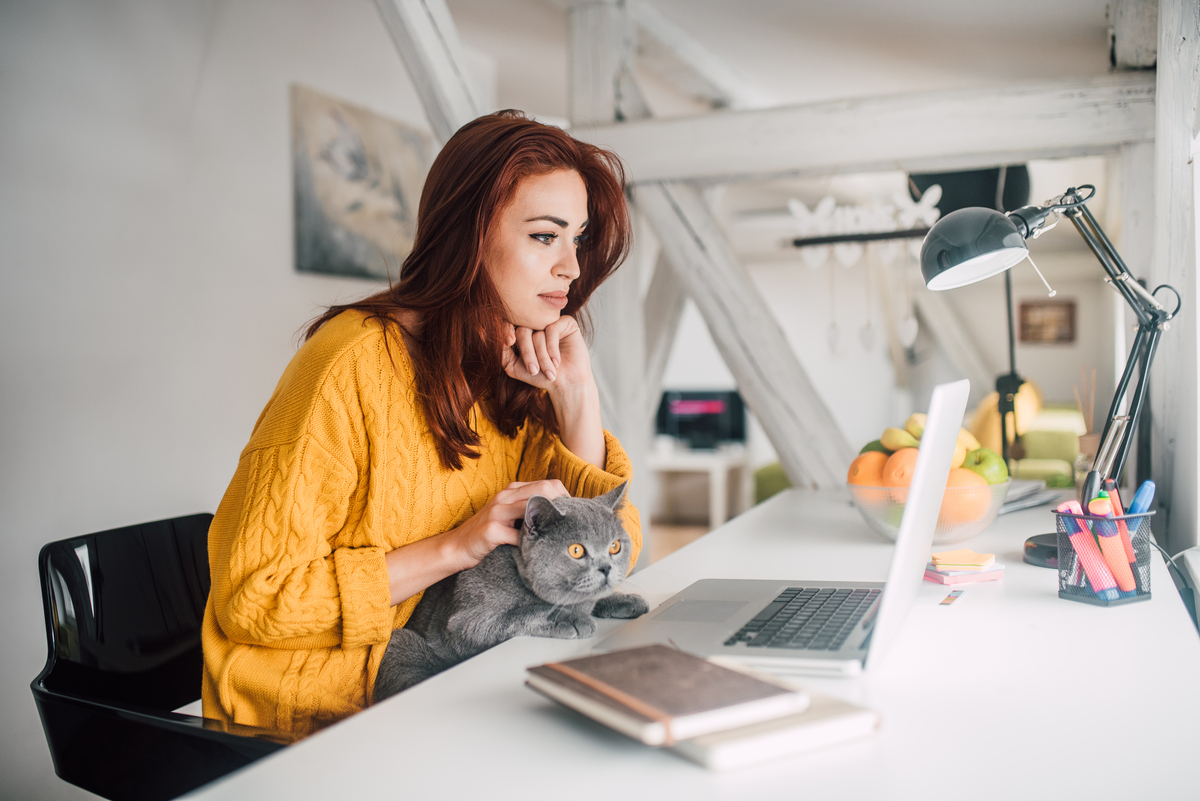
123, 615
123, 612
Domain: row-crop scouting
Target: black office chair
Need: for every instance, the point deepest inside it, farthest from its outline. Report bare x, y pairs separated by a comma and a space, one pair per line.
123, 614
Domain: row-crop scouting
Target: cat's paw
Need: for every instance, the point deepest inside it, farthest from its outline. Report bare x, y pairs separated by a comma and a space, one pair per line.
569, 626
623, 605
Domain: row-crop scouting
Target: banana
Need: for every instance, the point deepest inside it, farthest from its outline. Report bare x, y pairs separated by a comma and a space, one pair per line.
896, 438
915, 424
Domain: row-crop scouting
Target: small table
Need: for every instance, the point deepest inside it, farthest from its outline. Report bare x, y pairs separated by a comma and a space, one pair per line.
718, 463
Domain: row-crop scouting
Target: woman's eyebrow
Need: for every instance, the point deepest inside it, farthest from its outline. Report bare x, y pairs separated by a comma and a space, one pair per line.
561, 223
549, 218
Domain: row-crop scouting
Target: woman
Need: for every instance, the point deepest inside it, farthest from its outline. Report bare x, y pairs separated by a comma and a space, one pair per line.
406, 436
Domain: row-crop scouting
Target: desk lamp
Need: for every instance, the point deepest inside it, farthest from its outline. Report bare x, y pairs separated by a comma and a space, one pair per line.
975, 243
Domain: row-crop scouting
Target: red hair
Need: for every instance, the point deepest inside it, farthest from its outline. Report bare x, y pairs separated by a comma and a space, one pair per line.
462, 329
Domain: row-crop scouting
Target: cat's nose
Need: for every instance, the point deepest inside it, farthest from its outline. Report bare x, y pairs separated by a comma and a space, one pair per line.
605, 569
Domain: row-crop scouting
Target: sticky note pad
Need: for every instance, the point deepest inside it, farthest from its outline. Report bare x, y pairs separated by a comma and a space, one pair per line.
963, 559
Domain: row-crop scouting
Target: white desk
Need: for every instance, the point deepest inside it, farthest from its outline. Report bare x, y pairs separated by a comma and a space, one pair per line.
1062, 700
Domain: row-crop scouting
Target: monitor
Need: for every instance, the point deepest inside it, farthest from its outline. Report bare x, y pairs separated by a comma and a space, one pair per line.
702, 418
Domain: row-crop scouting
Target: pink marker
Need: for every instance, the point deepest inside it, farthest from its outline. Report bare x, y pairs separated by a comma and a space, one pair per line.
1094, 568
1111, 547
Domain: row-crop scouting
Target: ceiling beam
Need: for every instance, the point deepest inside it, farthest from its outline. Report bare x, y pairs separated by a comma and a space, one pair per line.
1134, 26
810, 444
675, 56
427, 39
959, 129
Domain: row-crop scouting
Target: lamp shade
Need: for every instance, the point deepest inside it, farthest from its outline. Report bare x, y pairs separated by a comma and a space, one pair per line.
970, 245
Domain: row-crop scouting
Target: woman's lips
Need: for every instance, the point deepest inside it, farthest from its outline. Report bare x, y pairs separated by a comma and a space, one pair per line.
556, 299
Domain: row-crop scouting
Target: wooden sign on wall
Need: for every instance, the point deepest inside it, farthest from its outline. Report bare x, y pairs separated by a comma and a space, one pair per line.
1047, 322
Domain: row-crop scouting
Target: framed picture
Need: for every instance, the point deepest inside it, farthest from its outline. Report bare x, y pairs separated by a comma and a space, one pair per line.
1047, 322
357, 185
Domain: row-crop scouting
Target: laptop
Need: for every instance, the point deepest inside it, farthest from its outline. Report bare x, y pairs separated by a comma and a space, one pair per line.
829, 628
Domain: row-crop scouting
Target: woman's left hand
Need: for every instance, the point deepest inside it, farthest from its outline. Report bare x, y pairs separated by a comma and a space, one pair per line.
555, 359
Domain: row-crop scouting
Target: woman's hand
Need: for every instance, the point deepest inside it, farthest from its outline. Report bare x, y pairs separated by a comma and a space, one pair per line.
419, 565
557, 360
554, 358
498, 522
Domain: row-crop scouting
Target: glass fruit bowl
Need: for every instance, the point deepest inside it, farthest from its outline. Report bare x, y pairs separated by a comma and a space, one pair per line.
965, 512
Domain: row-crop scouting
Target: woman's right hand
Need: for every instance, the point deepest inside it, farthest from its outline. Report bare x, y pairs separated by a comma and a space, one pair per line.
498, 522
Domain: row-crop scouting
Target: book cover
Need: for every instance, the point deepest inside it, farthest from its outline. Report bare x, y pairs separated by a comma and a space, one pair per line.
659, 695
827, 721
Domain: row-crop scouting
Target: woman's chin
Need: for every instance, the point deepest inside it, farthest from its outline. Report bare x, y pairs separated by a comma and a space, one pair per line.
536, 322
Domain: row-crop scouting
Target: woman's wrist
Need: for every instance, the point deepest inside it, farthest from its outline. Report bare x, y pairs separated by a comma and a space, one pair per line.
421, 564
577, 409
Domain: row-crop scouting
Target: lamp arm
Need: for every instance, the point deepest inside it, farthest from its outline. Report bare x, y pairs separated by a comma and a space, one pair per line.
1141, 356
1152, 321
1104, 252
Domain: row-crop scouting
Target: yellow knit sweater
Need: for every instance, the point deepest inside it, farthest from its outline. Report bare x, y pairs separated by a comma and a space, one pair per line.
341, 468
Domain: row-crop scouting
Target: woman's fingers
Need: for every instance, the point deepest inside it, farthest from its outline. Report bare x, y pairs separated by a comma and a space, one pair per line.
540, 343
528, 353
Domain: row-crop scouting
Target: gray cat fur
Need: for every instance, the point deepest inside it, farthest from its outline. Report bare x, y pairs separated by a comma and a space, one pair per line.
535, 589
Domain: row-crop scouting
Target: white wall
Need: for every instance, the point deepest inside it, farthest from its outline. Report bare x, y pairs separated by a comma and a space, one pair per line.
148, 300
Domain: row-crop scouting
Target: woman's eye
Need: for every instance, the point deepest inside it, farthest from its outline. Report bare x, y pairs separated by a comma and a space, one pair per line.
615, 548
545, 239
576, 551
579, 240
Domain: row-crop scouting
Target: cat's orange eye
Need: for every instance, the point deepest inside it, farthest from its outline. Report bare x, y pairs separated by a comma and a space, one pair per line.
615, 548
576, 551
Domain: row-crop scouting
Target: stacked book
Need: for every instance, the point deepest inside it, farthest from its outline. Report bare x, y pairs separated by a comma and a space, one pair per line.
963, 567
719, 715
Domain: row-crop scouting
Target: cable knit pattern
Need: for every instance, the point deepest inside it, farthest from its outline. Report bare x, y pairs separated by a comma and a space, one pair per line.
341, 468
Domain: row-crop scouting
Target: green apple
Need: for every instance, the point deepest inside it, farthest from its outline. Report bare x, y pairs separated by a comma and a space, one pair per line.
874, 445
987, 463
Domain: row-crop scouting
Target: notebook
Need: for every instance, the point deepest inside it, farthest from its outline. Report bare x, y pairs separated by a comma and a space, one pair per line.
833, 628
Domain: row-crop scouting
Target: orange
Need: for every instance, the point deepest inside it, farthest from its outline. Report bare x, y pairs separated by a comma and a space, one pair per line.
898, 472
867, 469
967, 497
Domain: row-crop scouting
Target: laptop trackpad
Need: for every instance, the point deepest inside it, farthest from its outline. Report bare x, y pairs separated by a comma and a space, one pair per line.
700, 611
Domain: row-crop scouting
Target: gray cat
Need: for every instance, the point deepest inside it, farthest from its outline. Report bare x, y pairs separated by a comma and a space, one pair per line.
572, 553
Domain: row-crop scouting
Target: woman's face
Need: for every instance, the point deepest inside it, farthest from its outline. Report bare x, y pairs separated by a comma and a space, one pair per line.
531, 252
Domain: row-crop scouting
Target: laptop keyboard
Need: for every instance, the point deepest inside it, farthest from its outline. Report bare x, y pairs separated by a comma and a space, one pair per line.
807, 619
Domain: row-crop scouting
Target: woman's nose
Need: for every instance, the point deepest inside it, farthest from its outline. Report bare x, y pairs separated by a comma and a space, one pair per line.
568, 266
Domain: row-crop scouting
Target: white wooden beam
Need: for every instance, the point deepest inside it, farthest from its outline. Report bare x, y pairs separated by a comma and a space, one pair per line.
427, 39
947, 130
603, 42
1134, 31
1174, 391
811, 447
671, 53
663, 308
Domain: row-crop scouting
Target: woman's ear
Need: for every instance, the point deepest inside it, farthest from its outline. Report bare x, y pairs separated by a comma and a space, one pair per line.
613, 498
540, 508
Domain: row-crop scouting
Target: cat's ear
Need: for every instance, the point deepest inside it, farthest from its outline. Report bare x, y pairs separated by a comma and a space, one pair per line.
614, 498
540, 507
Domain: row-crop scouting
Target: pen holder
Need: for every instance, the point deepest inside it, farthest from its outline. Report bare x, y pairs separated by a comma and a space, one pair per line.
1104, 561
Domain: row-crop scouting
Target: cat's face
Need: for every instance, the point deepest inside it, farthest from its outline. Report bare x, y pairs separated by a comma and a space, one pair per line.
574, 549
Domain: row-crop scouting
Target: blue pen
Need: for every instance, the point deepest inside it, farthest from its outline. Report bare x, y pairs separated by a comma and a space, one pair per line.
1141, 501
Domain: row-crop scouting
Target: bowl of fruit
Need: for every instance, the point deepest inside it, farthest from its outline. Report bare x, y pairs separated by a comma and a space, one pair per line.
975, 489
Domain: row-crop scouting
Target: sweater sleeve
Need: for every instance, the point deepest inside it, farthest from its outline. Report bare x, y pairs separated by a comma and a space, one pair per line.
277, 578
547, 457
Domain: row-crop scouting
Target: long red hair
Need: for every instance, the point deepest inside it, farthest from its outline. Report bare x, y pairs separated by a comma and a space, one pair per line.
462, 329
